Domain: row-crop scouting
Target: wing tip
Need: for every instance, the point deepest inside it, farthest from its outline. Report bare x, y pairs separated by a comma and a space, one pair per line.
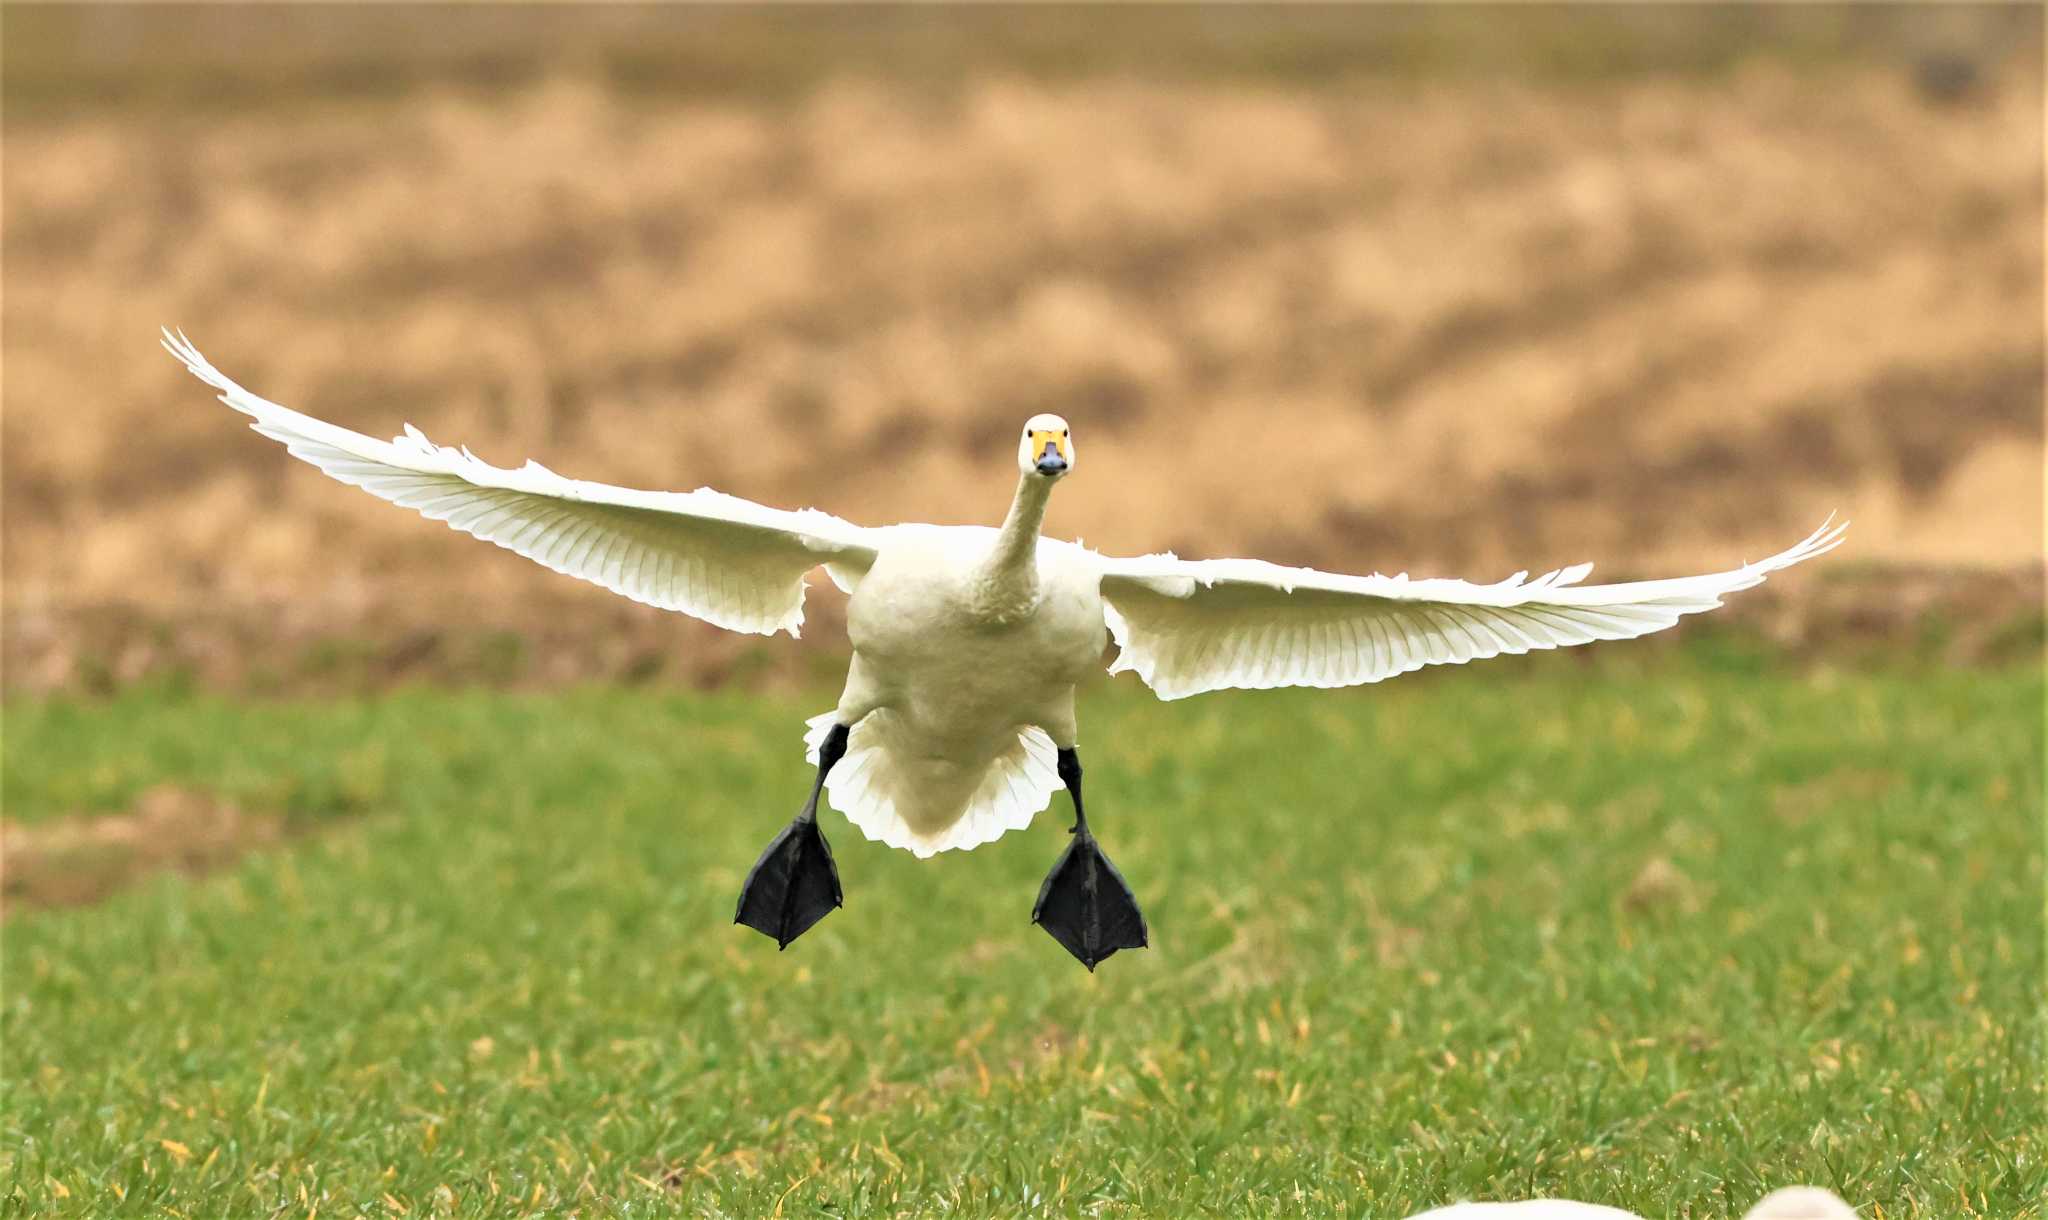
1831, 534
232, 394
186, 352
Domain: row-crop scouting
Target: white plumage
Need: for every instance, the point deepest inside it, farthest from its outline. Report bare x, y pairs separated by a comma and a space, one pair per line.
1191, 626
888, 800
968, 641
719, 558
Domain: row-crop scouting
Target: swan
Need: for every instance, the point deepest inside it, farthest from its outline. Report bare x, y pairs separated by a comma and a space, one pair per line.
1791, 1203
956, 723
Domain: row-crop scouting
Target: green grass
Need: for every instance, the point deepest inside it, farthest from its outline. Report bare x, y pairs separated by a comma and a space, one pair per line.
1395, 961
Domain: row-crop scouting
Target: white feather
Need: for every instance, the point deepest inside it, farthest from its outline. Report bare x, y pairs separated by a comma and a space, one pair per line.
1191, 626
725, 560
895, 798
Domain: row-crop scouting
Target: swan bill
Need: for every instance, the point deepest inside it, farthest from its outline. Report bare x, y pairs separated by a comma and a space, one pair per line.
1047, 448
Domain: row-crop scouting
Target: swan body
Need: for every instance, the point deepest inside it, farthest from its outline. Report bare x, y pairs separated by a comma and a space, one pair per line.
958, 710
961, 691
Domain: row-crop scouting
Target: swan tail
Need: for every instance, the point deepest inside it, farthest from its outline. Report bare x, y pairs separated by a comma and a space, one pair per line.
928, 806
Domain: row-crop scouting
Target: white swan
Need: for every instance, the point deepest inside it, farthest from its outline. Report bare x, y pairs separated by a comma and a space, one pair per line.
1791, 1203
957, 719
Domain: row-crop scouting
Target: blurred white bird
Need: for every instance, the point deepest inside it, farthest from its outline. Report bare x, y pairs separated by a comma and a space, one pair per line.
1792, 1203
957, 719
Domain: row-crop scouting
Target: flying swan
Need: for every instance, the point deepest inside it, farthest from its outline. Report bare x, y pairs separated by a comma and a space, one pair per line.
957, 720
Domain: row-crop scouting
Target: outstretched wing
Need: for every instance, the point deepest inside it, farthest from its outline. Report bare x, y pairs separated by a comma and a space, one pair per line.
1191, 626
728, 561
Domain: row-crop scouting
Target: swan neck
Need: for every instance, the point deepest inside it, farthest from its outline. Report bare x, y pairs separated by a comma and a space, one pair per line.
1010, 581
1017, 542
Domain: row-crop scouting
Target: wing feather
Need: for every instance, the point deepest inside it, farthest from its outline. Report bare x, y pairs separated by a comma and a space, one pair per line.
1188, 626
730, 562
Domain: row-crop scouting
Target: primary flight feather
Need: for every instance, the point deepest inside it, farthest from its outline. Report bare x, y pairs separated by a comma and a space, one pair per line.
957, 719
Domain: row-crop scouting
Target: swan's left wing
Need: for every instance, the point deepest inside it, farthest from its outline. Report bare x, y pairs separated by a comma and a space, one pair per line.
725, 560
1189, 626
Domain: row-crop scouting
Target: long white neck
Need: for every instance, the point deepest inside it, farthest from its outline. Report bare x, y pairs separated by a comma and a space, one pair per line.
1007, 585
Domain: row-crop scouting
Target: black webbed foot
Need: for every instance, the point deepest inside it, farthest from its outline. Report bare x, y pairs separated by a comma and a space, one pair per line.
795, 884
792, 886
1086, 905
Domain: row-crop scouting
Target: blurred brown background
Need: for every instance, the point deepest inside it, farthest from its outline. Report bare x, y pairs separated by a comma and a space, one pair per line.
1457, 291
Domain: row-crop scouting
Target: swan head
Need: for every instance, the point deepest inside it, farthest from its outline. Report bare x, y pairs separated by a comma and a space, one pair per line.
1047, 447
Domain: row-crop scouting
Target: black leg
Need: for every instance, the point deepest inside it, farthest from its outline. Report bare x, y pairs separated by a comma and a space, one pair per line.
795, 884
1085, 903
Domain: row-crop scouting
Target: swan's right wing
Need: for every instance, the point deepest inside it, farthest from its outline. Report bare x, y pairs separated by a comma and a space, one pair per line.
1188, 626
728, 561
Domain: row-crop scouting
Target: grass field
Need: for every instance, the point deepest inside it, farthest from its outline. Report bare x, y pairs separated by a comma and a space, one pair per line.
1660, 935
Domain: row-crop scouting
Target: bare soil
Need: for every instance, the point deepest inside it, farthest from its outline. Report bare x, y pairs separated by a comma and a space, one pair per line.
1448, 326
80, 860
